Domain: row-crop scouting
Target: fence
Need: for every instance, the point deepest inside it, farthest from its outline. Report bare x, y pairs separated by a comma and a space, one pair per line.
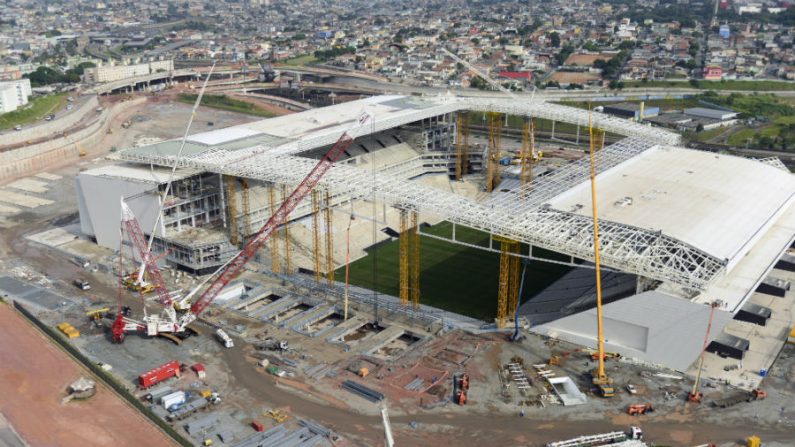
103, 376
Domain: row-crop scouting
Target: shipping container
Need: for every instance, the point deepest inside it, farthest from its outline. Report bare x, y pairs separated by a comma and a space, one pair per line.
176, 398
257, 426
155, 395
159, 374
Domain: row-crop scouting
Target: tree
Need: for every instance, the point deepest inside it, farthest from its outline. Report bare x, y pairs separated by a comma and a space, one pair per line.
700, 127
554, 39
503, 41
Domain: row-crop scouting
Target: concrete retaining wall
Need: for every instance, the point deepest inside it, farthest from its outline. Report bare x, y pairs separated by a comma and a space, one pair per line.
59, 150
54, 127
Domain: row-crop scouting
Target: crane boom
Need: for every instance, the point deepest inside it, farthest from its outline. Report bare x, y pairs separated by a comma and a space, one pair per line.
148, 263
236, 264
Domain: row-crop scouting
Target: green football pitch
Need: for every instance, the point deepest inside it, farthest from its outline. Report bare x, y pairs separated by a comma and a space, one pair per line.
453, 277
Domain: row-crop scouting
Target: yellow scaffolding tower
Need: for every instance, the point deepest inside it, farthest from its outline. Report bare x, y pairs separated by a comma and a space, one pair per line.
403, 242
415, 261
462, 145
508, 291
513, 279
528, 151
316, 233
274, 242
329, 241
245, 198
231, 209
493, 156
287, 265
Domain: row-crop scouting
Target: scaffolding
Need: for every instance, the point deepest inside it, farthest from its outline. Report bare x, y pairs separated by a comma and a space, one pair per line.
329, 239
231, 208
316, 251
462, 145
274, 243
415, 261
288, 268
528, 153
246, 199
403, 242
494, 121
508, 290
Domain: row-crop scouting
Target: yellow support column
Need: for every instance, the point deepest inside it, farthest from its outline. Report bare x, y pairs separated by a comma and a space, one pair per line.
462, 145
528, 152
274, 242
329, 241
287, 264
415, 261
316, 234
244, 194
231, 209
493, 155
403, 265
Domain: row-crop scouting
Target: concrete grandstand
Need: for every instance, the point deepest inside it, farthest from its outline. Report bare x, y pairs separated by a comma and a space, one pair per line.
679, 228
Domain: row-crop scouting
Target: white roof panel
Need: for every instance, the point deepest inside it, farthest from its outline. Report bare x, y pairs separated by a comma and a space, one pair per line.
138, 173
718, 203
222, 136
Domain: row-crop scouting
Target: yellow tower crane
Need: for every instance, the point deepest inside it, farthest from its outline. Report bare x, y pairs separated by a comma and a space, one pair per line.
316, 234
508, 291
329, 241
462, 145
231, 208
598, 376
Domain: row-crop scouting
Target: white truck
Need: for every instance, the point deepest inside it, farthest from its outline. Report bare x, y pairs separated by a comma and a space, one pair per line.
225, 339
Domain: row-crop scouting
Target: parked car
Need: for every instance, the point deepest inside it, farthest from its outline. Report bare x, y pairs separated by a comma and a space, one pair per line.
18, 127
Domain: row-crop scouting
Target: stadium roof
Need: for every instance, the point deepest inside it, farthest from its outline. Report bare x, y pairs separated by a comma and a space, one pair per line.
687, 217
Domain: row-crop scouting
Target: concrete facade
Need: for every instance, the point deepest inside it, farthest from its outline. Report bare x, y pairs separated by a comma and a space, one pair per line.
14, 94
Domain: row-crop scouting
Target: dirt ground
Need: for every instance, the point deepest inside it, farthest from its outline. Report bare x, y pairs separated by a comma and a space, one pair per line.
33, 379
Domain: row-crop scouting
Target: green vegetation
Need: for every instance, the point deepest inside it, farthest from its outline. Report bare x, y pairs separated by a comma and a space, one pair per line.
751, 86
300, 61
325, 55
36, 109
224, 102
453, 277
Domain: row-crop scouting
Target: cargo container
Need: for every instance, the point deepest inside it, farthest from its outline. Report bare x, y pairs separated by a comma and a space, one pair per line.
257, 426
155, 395
159, 374
175, 398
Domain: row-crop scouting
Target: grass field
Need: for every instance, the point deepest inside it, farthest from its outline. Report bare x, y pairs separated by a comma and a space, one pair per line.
36, 109
224, 102
452, 277
751, 86
300, 61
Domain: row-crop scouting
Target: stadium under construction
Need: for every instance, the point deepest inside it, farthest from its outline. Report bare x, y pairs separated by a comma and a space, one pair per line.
679, 229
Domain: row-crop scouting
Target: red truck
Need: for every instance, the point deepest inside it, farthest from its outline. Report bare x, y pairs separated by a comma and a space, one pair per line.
159, 374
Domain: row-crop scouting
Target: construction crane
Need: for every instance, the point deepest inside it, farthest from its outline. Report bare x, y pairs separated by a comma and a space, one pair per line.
169, 322
598, 376
695, 396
